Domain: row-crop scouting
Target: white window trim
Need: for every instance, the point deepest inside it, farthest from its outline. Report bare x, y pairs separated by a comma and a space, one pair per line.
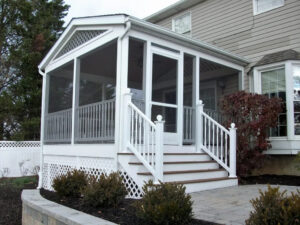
255, 12
289, 93
182, 15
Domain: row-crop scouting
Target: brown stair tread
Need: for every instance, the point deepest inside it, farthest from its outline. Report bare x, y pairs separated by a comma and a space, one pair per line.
202, 180
171, 153
176, 162
182, 171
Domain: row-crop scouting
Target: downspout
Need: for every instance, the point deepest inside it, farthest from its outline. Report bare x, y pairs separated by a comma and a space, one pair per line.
40, 174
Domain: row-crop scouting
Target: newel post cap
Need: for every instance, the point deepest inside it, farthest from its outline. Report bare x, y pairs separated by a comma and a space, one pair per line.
159, 118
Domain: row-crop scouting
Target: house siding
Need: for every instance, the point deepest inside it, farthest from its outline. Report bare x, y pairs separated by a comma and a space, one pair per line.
232, 26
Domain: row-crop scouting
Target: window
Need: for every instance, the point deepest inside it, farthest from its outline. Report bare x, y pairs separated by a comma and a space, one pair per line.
273, 85
182, 24
296, 84
261, 6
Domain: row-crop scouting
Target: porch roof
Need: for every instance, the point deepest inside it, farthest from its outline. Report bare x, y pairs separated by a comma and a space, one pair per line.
142, 26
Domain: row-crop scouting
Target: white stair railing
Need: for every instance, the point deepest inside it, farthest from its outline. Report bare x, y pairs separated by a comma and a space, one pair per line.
217, 141
144, 138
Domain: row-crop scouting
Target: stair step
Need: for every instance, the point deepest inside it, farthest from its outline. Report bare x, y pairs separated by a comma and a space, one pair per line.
177, 162
179, 165
182, 171
202, 180
167, 153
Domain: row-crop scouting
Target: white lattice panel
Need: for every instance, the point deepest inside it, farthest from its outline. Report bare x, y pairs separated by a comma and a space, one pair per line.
134, 191
79, 38
55, 166
19, 144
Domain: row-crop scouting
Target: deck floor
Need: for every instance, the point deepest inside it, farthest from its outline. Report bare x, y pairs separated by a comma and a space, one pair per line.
230, 205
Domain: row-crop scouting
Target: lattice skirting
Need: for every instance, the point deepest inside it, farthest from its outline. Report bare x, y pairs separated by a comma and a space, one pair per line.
55, 166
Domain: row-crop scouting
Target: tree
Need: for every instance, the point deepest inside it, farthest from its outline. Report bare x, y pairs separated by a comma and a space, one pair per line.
35, 25
253, 115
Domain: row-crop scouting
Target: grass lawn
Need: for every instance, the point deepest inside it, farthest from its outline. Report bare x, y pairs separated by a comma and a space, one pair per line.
10, 198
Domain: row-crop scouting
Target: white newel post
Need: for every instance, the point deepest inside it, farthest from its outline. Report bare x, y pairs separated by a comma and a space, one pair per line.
126, 134
232, 148
159, 152
199, 125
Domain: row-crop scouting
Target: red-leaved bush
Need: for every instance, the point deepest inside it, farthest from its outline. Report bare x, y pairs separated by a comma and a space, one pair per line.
253, 115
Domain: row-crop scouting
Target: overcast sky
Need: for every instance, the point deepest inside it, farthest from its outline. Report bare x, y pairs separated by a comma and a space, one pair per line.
137, 8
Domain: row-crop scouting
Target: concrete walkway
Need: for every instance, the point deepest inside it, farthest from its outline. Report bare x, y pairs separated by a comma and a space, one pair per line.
228, 205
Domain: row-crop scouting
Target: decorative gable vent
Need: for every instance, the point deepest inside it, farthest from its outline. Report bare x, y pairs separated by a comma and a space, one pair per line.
79, 38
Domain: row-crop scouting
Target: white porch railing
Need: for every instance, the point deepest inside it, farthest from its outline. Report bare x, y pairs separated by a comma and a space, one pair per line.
58, 127
96, 122
144, 138
218, 142
188, 124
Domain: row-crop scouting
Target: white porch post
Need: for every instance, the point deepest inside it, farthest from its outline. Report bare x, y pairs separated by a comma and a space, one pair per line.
44, 112
76, 83
180, 85
232, 149
127, 98
159, 153
199, 125
121, 87
241, 80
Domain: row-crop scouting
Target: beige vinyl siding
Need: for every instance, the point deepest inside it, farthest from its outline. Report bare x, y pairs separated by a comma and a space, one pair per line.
232, 26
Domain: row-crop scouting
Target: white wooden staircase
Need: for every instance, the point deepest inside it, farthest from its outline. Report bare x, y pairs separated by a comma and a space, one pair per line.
209, 164
197, 171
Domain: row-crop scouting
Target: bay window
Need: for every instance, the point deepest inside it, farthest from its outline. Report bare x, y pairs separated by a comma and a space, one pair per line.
281, 80
273, 85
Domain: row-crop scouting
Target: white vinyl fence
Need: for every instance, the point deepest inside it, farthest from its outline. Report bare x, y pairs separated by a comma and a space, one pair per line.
19, 158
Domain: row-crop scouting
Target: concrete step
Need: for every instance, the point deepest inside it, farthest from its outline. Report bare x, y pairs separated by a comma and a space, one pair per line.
180, 165
186, 175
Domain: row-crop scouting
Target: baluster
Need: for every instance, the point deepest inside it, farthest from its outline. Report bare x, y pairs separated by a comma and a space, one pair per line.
135, 130
131, 131
222, 148
209, 134
226, 149
218, 142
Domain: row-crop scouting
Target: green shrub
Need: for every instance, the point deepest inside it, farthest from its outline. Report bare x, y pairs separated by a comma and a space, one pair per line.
275, 208
164, 204
70, 184
106, 191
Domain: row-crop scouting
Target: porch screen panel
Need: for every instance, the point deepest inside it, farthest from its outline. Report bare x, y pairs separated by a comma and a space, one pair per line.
58, 120
164, 91
95, 115
188, 106
136, 72
296, 78
273, 85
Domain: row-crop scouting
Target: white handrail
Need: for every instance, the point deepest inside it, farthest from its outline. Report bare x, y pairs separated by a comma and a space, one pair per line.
218, 142
144, 138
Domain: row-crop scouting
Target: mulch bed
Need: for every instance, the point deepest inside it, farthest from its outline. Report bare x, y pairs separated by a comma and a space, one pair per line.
271, 179
10, 200
123, 215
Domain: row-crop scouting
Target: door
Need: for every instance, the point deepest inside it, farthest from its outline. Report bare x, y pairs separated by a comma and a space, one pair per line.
164, 93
